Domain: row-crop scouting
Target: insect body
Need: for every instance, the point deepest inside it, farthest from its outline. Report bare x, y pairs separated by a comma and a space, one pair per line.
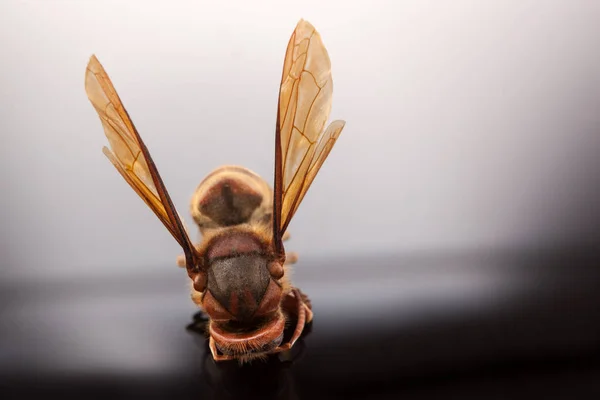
233, 209
239, 269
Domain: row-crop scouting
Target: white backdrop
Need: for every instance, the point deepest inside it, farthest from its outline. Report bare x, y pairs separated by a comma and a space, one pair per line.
470, 124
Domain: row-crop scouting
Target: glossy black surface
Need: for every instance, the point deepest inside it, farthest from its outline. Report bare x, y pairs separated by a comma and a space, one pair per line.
468, 326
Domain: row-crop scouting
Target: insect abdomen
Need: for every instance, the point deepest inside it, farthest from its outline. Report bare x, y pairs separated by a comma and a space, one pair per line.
231, 195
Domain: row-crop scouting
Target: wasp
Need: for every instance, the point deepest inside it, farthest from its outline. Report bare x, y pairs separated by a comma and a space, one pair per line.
239, 272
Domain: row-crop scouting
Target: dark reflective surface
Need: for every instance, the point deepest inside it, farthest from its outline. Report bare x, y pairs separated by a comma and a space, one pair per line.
469, 326
271, 378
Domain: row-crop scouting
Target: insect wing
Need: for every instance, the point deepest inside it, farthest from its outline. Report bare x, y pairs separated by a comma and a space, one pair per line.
302, 143
131, 158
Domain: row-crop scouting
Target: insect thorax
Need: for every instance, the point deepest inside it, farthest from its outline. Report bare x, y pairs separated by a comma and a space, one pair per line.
238, 274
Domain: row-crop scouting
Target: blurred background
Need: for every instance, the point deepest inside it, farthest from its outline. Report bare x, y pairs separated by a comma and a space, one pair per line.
465, 183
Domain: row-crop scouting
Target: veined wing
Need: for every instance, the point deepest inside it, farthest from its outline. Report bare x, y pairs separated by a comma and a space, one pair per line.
302, 143
131, 158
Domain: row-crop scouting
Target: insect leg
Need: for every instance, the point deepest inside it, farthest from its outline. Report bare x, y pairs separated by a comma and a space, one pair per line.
303, 314
291, 258
215, 353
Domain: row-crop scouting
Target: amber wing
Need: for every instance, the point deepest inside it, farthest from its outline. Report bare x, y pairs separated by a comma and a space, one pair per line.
131, 158
302, 143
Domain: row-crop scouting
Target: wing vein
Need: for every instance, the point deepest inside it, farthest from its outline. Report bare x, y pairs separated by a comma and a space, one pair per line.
303, 142
131, 158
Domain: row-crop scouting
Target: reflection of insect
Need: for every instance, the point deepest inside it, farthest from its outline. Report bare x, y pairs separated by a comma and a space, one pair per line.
239, 269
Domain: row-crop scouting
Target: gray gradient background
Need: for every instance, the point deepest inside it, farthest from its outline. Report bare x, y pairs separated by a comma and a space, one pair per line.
471, 125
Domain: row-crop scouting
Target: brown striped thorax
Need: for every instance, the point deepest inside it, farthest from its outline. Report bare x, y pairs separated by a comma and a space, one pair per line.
239, 269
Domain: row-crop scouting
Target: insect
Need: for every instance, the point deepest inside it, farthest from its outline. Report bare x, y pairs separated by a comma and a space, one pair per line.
239, 271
